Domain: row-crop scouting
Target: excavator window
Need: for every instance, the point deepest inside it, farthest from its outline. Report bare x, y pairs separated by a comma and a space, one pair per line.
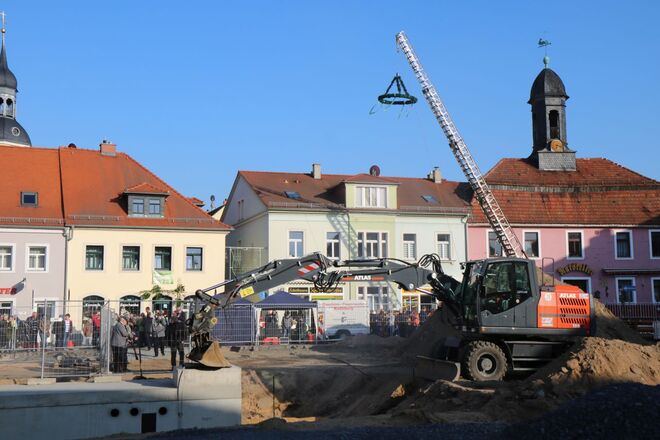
505, 285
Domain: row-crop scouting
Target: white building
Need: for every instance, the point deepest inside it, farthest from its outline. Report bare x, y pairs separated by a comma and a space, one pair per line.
287, 215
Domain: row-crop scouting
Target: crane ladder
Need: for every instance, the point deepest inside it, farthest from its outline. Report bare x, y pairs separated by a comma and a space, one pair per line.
509, 241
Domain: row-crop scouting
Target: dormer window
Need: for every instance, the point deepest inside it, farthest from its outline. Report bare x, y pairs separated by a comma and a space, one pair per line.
155, 207
371, 196
137, 206
145, 200
292, 195
30, 199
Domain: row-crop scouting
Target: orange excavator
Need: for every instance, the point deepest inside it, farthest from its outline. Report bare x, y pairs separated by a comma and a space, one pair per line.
504, 320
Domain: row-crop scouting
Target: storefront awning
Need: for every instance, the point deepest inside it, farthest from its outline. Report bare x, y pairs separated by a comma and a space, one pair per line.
632, 271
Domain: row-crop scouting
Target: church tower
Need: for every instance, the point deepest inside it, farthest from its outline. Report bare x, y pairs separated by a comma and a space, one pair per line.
11, 132
548, 100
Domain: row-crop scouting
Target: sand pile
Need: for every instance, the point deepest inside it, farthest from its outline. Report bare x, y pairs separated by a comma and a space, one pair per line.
609, 326
429, 337
594, 362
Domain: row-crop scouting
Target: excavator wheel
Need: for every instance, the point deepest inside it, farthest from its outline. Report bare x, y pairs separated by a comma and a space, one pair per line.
484, 360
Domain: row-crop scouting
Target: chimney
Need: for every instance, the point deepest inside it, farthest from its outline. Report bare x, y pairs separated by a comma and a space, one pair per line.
316, 170
435, 175
108, 149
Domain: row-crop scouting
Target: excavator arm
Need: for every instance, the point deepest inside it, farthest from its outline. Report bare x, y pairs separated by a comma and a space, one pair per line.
325, 274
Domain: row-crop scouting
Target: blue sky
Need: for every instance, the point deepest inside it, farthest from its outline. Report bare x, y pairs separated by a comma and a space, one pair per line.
198, 90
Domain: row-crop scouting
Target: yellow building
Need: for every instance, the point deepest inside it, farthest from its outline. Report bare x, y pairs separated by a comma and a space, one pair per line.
128, 233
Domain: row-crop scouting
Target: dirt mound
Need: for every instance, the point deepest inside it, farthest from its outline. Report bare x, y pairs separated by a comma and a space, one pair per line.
428, 337
370, 342
609, 326
596, 361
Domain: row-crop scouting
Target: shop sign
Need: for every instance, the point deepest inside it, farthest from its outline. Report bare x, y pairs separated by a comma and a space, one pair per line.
7, 290
575, 267
333, 290
298, 289
326, 297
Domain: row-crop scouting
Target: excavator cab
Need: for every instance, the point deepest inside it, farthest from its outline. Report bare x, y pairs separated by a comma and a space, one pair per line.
497, 293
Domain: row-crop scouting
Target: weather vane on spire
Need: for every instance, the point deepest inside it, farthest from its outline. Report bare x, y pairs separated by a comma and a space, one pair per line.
544, 44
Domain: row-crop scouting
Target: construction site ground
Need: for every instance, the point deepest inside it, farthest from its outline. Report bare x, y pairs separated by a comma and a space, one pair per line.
604, 386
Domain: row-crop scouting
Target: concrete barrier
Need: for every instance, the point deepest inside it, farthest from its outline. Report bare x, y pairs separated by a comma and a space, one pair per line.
76, 410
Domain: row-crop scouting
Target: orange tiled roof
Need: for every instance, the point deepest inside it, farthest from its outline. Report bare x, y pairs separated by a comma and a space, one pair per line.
327, 191
27, 169
599, 192
145, 188
84, 187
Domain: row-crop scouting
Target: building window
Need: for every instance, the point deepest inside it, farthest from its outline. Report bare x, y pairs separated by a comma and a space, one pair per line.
137, 206
91, 304
654, 243
155, 207
6, 309
584, 283
46, 309
6, 258
194, 258
575, 249
494, 245
410, 246
430, 199
372, 244
532, 244
554, 124
371, 196
130, 258
443, 246
241, 209
292, 195
30, 199
332, 245
623, 245
626, 292
378, 298
296, 244
129, 304
37, 258
163, 258
94, 258
655, 285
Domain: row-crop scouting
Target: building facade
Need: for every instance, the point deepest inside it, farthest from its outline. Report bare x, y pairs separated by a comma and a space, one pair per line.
590, 222
288, 215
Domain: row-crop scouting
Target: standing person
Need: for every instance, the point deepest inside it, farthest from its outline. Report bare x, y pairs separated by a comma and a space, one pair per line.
158, 334
32, 330
96, 328
392, 322
67, 328
147, 321
286, 324
176, 334
87, 332
58, 331
118, 341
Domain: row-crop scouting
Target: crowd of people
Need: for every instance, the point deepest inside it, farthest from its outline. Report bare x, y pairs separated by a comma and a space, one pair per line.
292, 325
397, 323
38, 331
149, 331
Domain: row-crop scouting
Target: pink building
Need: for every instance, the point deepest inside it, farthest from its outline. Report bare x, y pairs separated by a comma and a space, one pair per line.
591, 222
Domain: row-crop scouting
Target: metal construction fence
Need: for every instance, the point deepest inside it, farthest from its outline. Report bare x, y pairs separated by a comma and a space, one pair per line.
73, 338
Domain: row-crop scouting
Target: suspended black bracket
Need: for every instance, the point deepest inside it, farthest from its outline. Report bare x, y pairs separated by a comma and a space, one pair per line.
401, 97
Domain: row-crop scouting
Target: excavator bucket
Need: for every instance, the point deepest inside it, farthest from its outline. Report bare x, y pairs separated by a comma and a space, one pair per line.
434, 369
210, 357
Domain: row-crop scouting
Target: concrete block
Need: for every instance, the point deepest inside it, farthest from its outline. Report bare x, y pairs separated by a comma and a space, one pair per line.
194, 384
41, 381
107, 378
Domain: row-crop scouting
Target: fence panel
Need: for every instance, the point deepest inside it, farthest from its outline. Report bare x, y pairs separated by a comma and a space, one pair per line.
236, 325
286, 325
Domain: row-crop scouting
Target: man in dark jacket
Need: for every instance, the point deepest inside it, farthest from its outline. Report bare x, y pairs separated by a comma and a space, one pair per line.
176, 335
147, 321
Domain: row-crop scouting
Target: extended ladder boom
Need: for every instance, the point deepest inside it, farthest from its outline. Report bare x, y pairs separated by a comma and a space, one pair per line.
510, 243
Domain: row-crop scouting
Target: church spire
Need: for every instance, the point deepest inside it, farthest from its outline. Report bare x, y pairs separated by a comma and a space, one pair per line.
11, 132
